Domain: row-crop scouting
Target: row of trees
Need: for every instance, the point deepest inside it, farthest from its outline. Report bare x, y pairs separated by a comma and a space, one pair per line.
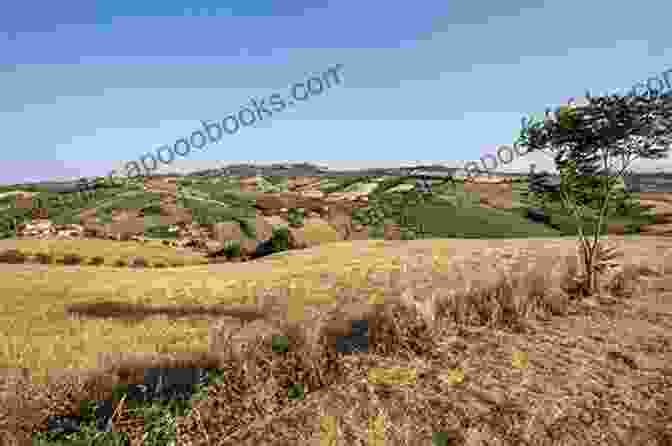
593, 147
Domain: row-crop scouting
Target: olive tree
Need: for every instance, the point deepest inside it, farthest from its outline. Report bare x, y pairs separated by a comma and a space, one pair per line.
599, 141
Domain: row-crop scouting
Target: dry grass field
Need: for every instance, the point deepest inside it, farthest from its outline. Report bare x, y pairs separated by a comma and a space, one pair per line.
478, 339
111, 250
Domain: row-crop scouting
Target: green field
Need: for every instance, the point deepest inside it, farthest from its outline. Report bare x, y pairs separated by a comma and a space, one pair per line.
448, 212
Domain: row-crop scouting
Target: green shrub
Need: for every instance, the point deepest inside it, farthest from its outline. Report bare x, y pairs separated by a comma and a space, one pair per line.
153, 209
377, 232
280, 239
246, 226
295, 391
160, 231
295, 216
232, 249
266, 186
408, 234
120, 262
280, 344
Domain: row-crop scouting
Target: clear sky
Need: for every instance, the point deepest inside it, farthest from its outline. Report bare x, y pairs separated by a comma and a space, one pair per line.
87, 86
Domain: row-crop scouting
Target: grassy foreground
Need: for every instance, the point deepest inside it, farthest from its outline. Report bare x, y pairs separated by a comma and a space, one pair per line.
42, 336
473, 336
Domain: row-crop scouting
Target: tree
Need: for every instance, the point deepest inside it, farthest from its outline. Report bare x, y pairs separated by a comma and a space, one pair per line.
586, 140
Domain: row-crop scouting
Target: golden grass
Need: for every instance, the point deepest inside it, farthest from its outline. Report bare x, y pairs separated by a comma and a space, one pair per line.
41, 335
317, 231
110, 250
445, 285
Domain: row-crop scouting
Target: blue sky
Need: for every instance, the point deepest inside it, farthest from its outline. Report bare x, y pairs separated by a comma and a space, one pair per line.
88, 86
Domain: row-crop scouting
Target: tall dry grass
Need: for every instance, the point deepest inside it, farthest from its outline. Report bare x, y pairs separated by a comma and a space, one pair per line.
408, 324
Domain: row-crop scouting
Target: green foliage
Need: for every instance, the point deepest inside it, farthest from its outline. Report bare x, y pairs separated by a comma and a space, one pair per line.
440, 439
372, 215
246, 226
85, 438
159, 419
295, 216
444, 220
587, 194
388, 183
296, 391
222, 193
344, 183
232, 248
15, 187
152, 209
567, 224
279, 344
280, 239
586, 141
377, 232
137, 201
531, 122
567, 116
160, 231
408, 234
204, 212
266, 186
278, 181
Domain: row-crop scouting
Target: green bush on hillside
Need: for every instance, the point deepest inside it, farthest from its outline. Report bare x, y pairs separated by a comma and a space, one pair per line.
152, 209
160, 231
266, 186
280, 238
232, 249
295, 216
246, 226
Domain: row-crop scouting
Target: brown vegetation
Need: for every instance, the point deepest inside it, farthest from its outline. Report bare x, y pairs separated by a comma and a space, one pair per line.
71, 259
97, 260
12, 256
43, 258
139, 262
